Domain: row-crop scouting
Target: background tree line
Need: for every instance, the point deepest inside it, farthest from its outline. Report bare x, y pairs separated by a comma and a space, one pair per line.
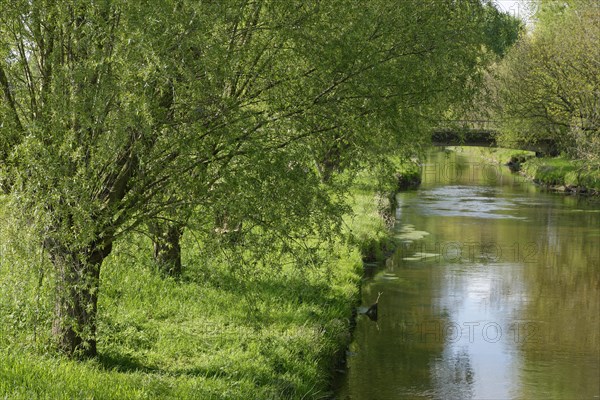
243, 121
547, 88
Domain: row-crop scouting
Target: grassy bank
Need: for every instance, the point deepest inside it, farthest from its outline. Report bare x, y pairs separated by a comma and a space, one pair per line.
224, 331
555, 173
563, 174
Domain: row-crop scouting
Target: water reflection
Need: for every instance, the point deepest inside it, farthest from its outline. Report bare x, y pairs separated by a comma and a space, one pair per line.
493, 294
476, 202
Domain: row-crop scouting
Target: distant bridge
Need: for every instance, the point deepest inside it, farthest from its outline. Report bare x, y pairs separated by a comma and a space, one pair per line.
465, 133
481, 133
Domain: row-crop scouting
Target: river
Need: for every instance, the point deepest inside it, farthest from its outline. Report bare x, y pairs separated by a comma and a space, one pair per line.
493, 293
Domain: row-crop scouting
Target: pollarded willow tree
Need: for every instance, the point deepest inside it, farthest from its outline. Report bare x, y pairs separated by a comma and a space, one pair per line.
116, 114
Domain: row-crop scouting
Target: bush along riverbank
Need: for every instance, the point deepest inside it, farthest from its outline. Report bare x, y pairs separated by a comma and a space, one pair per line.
226, 330
374, 207
558, 174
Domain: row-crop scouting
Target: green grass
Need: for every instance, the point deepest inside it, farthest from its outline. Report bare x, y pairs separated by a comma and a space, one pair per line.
221, 332
550, 171
560, 171
368, 231
216, 334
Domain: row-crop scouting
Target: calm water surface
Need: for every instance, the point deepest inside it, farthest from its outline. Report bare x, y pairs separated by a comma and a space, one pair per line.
494, 293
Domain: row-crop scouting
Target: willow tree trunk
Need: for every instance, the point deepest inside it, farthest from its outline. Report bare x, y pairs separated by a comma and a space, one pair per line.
76, 305
166, 238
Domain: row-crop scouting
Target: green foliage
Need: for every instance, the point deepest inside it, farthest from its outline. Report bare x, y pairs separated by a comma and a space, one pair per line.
26, 281
501, 30
498, 32
548, 85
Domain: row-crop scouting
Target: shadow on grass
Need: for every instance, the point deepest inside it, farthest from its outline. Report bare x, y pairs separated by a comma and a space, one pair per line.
124, 363
127, 364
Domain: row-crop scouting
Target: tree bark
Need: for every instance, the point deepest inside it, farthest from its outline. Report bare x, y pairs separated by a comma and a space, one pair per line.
78, 282
166, 237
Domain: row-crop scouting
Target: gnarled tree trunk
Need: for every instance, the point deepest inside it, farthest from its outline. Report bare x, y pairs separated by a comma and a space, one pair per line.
166, 238
76, 304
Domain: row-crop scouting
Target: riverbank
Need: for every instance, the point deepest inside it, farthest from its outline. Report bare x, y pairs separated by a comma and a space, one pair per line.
553, 173
222, 332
